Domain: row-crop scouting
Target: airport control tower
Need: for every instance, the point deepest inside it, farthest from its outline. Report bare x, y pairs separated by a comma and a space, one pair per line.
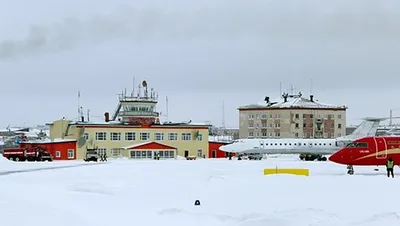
138, 108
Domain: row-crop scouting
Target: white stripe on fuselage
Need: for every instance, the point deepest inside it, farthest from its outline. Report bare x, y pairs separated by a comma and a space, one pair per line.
281, 146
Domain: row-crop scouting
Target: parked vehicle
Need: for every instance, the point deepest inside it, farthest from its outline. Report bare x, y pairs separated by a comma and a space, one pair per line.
91, 155
27, 154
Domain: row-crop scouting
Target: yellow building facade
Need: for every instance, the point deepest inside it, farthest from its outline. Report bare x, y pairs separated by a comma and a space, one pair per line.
118, 139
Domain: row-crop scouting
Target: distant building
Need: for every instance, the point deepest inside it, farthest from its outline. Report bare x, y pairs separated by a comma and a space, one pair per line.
292, 116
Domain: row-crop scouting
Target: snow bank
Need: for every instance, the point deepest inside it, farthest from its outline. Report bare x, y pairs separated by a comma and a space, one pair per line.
232, 193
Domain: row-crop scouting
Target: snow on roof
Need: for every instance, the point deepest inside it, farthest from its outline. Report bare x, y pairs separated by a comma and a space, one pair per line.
145, 143
47, 141
220, 138
295, 101
137, 145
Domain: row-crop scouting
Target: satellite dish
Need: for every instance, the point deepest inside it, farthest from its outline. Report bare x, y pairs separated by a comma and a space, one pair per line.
81, 132
144, 83
81, 142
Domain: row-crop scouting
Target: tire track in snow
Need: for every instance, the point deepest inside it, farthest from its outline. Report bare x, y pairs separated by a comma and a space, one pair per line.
5, 173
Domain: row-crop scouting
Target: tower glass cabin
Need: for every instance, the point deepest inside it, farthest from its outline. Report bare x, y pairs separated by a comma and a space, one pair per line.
139, 108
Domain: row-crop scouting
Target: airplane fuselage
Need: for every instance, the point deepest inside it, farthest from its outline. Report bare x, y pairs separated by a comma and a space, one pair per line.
282, 146
369, 151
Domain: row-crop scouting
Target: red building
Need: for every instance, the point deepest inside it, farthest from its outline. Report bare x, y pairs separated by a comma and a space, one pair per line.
60, 149
215, 152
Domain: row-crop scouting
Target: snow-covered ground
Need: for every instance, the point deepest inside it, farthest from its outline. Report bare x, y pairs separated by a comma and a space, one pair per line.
126, 192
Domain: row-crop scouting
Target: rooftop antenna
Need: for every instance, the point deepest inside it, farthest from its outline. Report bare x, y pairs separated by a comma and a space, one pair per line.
79, 104
280, 88
144, 84
133, 87
166, 103
223, 114
291, 89
88, 114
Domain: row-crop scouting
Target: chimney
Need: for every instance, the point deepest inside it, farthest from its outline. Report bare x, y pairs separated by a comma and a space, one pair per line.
82, 118
266, 100
106, 117
285, 96
312, 98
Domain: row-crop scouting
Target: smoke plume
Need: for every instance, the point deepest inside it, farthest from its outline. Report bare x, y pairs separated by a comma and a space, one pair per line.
267, 19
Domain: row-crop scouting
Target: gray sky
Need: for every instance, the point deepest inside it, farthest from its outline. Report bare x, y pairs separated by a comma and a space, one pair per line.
198, 53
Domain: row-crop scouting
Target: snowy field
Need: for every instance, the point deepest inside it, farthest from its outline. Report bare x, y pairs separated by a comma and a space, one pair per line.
127, 192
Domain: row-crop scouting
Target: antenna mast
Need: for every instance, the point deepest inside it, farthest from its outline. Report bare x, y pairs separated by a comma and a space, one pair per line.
166, 103
280, 89
133, 87
223, 114
79, 105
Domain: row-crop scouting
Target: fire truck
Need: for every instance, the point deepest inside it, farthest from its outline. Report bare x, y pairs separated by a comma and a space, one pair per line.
27, 154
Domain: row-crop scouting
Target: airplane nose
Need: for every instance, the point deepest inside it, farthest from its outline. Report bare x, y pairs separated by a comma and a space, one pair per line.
224, 148
336, 157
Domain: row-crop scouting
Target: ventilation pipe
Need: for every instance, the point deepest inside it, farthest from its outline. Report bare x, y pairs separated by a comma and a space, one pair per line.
312, 98
266, 100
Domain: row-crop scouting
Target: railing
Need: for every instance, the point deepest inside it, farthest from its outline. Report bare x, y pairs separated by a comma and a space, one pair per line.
139, 113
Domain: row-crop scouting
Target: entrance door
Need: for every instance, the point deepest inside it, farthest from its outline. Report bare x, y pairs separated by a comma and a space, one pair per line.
186, 153
381, 148
214, 154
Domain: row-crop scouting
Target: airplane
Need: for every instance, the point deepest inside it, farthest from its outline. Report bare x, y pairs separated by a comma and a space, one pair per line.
368, 151
324, 146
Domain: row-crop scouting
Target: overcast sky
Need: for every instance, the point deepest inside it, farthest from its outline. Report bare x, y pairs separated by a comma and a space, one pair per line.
198, 53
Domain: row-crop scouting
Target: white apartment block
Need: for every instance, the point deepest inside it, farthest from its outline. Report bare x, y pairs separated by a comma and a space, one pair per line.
292, 116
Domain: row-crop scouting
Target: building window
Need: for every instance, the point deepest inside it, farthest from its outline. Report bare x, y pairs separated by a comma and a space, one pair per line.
101, 135
339, 126
339, 116
296, 135
264, 125
251, 134
167, 154
101, 151
172, 136
116, 152
264, 134
71, 153
186, 136
277, 134
296, 125
251, 124
130, 136
297, 116
264, 116
200, 153
277, 125
159, 136
144, 136
304, 125
311, 116
142, 154
115, 136
58, 154
200, 136
86, 136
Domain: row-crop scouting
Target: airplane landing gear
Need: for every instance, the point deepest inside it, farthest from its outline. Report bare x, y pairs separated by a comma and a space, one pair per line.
350, 170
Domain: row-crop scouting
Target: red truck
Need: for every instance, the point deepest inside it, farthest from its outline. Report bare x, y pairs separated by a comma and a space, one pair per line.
27, 154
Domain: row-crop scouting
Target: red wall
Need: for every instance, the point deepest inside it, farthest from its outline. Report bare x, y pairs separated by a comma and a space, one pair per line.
62, 147
214, 146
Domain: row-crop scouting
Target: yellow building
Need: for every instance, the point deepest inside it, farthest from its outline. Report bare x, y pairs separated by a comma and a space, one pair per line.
134, 131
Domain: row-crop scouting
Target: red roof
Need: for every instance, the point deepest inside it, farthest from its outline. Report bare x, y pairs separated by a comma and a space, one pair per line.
150, 146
